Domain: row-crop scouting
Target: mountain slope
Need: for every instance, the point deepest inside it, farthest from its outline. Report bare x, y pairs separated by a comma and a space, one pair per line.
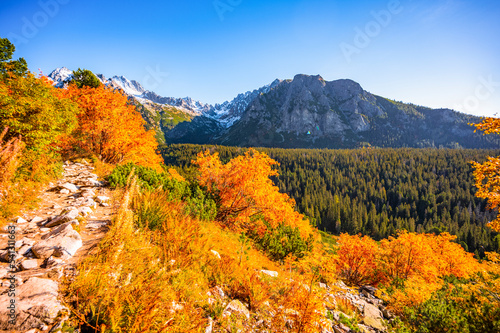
306, 112
309, 112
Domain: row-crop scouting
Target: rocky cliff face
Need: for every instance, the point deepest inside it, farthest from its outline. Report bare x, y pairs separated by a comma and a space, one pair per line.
309, 112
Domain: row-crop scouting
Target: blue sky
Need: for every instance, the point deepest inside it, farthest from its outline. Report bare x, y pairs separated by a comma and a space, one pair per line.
440, 53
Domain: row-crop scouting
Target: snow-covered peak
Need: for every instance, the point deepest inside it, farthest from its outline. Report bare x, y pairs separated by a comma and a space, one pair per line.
229, 112
60, 75
133, 87
226, 113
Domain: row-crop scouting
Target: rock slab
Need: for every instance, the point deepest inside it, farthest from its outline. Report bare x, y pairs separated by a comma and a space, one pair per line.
36, 305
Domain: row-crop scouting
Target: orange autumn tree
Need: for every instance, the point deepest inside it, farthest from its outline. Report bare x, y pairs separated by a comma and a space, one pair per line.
246, 195
451, 257
426, 257
111, 128
407, 255
487, 174
357, 259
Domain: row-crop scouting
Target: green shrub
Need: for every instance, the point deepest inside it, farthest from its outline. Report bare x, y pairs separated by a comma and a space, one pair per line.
282, 241
198, 203
455, 309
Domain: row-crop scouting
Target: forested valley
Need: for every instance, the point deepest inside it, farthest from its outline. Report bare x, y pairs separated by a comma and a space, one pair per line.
376, 191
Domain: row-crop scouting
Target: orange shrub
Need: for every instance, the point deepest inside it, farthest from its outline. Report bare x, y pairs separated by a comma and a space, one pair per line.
357, 259
246, 193
111, 128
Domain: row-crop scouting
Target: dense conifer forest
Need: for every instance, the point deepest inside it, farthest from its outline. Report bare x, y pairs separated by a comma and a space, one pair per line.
377, 191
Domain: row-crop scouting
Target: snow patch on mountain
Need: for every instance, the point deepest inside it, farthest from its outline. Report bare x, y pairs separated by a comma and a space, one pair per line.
132, 87
226, 113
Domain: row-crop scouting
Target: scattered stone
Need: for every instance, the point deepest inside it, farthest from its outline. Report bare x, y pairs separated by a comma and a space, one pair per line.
323, 285
368, 289
176, 307
215, 253
237, 308
387, 313
64, 191
29, 264
8, 255
85, 211
88, 193
364, 329
56, 206
209, 327
3, 272
24, 250
59, 326
219, 292
336, 315
54, 262
20, 220
37, 219
102, 199
270, 273
37, 305
43, 230
27, 241
88, 202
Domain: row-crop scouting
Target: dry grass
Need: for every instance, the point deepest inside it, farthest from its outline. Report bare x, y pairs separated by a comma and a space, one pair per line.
10, 153
144, 280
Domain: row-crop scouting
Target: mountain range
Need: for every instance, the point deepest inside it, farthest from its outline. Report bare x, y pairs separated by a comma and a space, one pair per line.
303, 112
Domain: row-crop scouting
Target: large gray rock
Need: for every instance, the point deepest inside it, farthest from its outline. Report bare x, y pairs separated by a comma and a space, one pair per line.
36, 305
67, 216
63, 239
29, 264
373, 317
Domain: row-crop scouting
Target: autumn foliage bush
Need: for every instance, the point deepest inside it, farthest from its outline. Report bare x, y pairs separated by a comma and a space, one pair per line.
410, 267
248, 201
110, 127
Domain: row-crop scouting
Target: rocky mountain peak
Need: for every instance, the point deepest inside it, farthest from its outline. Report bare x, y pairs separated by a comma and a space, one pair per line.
131, 87
60, 75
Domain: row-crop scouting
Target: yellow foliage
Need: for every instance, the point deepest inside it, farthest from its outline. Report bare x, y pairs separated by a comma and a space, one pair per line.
246, 193
175, 175
487, 175
416, 291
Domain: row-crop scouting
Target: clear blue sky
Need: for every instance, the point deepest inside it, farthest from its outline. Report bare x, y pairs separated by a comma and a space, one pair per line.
437, 53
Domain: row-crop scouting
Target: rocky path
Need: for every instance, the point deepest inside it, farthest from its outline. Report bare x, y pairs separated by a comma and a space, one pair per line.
45, 245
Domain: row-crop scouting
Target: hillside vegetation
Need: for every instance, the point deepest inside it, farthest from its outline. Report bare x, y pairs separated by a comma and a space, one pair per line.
377, 191
171, 260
